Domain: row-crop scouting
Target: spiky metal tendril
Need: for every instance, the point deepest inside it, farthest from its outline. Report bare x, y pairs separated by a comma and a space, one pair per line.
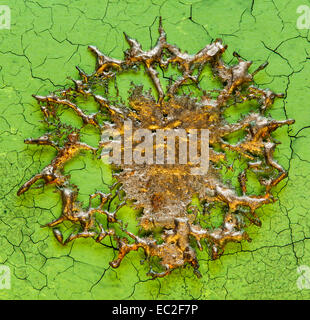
165, 192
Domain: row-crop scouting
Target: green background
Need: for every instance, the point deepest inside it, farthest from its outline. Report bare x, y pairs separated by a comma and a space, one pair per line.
38, 54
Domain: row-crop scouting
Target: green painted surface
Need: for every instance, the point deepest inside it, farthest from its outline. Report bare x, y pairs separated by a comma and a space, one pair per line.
38, 55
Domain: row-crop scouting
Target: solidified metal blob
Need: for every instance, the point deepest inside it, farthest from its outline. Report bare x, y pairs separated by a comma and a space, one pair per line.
165, 192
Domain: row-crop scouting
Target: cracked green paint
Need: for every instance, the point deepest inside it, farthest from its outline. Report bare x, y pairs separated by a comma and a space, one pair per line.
49, 36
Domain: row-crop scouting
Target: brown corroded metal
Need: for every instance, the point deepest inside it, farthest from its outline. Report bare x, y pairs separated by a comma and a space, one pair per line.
164, 192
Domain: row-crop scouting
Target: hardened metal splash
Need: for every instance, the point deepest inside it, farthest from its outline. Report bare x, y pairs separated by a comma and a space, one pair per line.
164, 193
